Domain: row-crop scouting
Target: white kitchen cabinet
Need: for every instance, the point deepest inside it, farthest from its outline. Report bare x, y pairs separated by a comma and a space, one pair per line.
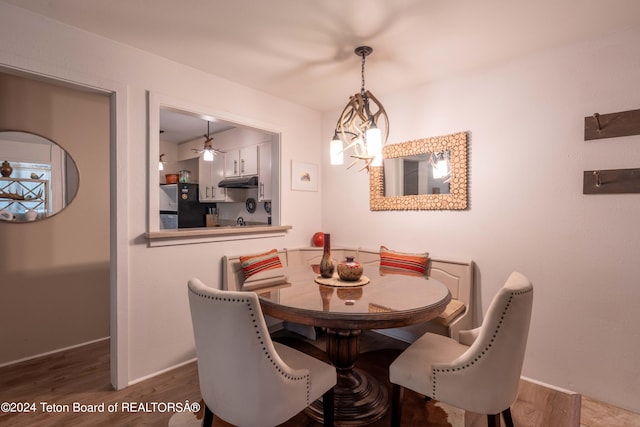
210, 174
232, 163
265, 187
242, 162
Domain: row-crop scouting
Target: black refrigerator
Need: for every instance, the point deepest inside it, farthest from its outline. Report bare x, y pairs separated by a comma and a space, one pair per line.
180, 208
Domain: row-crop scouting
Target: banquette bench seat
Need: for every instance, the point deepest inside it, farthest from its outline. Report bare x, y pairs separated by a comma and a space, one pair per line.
456, 275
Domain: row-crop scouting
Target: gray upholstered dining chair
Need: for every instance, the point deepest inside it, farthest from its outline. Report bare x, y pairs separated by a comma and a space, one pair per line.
480, 373
245, 378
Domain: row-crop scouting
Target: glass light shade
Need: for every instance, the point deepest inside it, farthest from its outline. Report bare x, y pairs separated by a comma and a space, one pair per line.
160, 166
207, 156
374, 145
335, 151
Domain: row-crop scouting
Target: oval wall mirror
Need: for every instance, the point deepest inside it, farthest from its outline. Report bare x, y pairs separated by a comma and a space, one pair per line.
38, 177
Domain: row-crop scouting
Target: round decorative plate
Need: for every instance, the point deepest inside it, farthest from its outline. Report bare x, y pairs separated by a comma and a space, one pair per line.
336, 282
251, 205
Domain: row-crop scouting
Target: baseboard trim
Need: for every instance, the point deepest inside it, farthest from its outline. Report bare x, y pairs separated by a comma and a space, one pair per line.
549, 386
165, 370
49, 353
272, 328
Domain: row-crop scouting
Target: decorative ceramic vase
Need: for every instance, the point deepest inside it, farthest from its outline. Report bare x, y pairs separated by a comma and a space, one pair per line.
6, 215
6, 169
349, 270
31, 215
185, 176
326, 263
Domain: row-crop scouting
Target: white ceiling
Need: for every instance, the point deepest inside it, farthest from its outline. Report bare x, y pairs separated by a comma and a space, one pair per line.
177, 126
302, 50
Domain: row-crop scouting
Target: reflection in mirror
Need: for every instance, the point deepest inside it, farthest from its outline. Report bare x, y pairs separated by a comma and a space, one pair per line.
429, 173
39, 179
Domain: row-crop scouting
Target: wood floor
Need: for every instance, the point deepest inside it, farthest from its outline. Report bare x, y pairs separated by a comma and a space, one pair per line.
82, 375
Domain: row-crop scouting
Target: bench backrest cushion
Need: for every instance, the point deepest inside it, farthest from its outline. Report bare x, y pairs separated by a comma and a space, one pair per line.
456, 275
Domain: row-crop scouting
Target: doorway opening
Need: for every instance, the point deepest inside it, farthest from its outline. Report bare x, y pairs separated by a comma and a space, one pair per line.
57, 277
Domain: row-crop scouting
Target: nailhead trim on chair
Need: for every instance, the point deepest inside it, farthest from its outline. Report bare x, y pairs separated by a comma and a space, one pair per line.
261, 339
484, 351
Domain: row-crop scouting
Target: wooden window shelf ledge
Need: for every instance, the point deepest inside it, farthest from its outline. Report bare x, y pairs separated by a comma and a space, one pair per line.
185, 236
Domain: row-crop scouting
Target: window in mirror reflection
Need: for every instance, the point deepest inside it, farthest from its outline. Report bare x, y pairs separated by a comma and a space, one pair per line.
427, 173
43, 178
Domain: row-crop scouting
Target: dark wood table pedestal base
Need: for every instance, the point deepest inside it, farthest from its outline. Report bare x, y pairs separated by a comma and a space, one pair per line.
359, 398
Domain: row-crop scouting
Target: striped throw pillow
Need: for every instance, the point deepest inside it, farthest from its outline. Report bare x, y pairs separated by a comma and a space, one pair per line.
394, 262
252, 264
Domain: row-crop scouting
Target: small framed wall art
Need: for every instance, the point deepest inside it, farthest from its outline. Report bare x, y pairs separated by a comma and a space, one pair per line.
304, 176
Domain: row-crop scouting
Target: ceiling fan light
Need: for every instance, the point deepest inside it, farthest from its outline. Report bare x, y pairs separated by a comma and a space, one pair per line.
207, 155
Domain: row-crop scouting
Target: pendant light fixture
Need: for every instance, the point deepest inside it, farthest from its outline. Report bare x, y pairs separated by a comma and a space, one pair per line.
441, 166
208, 152
363, 126
161, 162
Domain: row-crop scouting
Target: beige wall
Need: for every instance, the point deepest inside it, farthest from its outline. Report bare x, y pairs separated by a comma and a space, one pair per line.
54, 274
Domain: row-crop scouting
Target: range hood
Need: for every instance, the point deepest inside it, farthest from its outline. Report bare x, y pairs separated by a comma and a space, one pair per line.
239, 182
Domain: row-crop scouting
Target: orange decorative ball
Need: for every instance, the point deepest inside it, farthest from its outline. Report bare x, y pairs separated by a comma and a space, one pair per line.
318, 239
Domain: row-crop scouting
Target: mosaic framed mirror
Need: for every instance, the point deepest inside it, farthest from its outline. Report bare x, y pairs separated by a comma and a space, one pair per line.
423, 174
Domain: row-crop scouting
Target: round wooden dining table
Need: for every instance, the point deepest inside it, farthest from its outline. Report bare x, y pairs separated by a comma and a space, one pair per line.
344, 310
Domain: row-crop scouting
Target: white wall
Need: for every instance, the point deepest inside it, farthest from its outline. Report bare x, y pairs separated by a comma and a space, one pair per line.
527, 211
158, 323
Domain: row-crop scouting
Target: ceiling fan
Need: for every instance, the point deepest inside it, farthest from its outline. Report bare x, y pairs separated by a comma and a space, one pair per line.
208, 152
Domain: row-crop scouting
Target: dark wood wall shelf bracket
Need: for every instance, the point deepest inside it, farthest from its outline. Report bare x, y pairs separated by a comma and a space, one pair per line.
612, 125
612, 181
